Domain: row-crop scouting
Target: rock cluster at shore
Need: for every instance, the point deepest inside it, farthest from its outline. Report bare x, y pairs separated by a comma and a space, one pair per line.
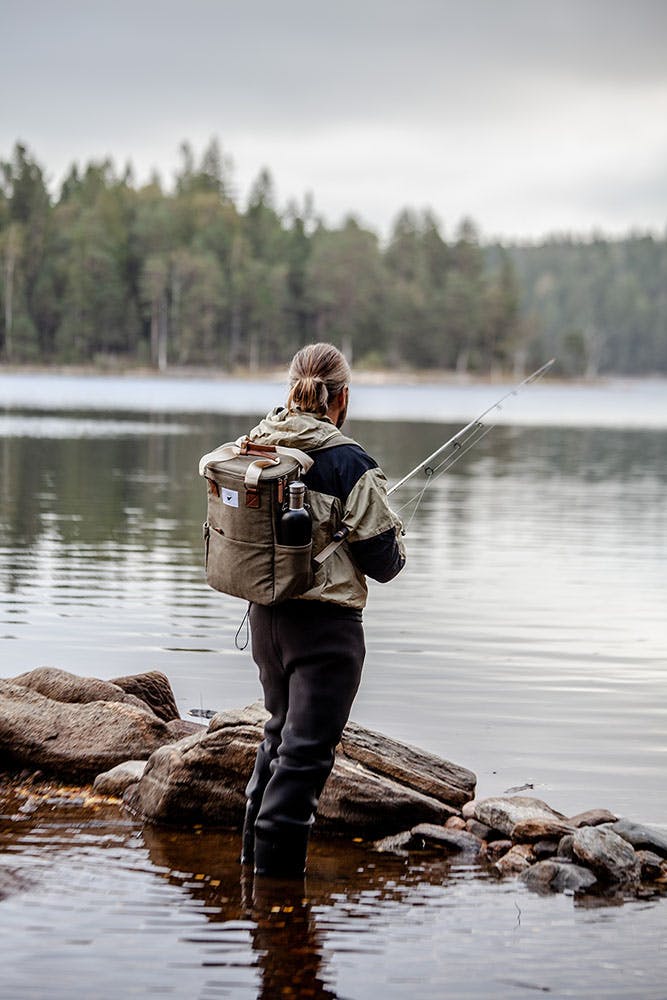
127, 734
550, 852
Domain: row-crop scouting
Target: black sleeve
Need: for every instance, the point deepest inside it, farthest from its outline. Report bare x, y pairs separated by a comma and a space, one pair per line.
378, 557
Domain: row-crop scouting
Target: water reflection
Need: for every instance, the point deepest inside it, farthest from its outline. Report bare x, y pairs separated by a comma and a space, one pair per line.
525, 639
165, 912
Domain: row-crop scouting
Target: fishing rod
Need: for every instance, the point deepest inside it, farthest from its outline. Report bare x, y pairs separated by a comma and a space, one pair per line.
458, 440
460, 443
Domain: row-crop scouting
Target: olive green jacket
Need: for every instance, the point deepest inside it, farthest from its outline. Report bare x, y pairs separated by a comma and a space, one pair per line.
345, 487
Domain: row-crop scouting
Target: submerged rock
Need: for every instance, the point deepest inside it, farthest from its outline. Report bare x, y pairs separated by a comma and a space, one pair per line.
377, 784
425, 836
396, 843
558, 876
431, 835
606, 853
74, 739
10, 882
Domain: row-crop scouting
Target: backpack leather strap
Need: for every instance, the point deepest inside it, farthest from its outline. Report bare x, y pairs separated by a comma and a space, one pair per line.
240, 447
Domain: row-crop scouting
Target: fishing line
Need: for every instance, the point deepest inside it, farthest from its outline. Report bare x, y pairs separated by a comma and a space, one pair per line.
468, 436
430, 471
445, 465
475, 423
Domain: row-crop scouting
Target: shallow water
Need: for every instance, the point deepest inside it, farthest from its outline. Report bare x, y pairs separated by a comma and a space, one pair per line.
109, 910
525, 640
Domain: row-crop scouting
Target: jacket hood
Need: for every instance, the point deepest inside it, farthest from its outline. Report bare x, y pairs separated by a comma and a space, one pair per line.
294, 429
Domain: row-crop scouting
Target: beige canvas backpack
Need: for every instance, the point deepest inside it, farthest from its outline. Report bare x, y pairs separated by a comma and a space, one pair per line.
247, 489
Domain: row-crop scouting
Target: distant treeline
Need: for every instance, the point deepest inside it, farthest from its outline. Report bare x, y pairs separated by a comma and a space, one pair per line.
109, 270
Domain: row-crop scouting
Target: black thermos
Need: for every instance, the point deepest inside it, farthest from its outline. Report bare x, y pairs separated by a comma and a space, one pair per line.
296, 525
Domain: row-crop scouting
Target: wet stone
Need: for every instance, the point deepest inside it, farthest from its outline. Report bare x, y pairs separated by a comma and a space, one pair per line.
395, 844
565, 847
76, 739
30, 805
503, 814
573, 878
516, 860
455, 823
646, 837
433, 835
592, 817
545, 849
606, 853
651, 865
538, 829
153, 689
481, 830
495, 849
558, 876
10, 882
468, 810
115, 781
540, 876
202, 779
424, 773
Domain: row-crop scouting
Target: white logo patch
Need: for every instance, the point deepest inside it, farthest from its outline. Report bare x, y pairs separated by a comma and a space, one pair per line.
230, 498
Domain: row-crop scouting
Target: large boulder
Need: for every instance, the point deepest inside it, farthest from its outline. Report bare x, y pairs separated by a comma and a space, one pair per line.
60, 685
199, 779
74, 739
202, 779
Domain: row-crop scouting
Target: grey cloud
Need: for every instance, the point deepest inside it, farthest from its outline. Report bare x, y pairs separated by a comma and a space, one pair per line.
296, 61
311, 88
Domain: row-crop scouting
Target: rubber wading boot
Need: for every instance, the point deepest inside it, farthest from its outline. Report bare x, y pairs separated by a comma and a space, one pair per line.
282, 856
248, 841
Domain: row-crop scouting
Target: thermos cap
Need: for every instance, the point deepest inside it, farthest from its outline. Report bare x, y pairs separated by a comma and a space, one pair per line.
297, 487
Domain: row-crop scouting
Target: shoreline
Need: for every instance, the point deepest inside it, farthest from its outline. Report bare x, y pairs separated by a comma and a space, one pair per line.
361, 376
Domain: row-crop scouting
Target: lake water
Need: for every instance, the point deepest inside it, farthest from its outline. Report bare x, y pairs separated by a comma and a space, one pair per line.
526, 640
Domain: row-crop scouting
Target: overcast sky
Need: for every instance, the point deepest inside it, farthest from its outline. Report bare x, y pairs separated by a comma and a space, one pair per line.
529, 115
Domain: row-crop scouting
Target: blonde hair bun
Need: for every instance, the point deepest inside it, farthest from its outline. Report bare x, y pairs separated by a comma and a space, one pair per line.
317, 374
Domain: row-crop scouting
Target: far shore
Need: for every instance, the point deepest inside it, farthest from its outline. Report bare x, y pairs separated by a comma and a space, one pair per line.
361, 376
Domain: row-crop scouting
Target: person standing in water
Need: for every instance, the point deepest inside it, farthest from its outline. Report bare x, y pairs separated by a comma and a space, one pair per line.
310, 649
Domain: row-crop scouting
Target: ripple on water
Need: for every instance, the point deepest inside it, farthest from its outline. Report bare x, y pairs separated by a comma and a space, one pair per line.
162, 909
